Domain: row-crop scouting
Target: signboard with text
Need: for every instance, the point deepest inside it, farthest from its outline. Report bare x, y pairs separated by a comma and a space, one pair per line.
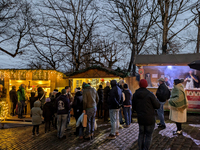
193, 97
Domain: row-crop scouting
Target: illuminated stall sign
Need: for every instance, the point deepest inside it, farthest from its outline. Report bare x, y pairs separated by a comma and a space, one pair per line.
193, 97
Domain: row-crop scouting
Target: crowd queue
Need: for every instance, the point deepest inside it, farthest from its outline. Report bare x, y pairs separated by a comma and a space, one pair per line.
114, 98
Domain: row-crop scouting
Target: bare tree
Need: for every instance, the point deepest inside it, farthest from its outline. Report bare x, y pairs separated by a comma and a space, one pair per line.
108, 54
169, 11
196, 12
69, 26
16, 18
133, 19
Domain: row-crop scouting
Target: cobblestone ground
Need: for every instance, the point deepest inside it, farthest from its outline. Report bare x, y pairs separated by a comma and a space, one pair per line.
20, 137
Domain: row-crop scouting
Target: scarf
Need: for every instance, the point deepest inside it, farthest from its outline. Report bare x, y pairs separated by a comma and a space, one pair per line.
178, 98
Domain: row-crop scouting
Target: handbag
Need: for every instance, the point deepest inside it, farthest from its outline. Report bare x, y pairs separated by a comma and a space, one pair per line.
84, 120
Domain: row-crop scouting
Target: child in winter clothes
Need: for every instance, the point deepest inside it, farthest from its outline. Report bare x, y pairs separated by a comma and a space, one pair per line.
48, 114
36, 114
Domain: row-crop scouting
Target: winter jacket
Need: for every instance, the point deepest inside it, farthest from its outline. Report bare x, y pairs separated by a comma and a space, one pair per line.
128, 97
144, 103
62, 105
115, 99
100, 93
90, 97
105, 96
41, 96
178, 104
21, 94
13, 96
163, 93
53, 102
36, 113
48, 111
77, 104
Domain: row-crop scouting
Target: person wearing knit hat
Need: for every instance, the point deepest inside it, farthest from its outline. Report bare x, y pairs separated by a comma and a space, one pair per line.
163, 94
48, 114
145, 103
143, 83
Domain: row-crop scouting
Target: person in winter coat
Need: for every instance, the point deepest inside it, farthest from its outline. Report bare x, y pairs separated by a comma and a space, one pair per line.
77, 106
70, 97
90, 101
105, 101
13, 99
127, 105
48, 114
32, 99
62, 106
115, 101
21, 100
36, 114
41, 96
53, 98
178, 106
163, 94
100, 103
144, 103
121, 85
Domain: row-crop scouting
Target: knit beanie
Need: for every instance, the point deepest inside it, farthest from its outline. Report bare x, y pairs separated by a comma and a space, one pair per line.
143, 83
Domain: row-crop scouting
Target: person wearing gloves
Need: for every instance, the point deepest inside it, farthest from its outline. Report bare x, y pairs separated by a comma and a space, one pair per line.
178, 106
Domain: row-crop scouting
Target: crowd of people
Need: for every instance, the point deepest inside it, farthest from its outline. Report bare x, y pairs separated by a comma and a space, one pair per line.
107, 103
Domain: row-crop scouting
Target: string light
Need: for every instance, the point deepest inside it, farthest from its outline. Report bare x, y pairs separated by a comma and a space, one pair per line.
3, 110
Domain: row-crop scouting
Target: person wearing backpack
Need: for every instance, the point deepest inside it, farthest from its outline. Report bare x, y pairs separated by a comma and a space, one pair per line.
163, 94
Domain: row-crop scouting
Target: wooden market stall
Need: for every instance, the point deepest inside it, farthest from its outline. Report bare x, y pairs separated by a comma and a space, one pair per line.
47, 79
94, 75
169, 67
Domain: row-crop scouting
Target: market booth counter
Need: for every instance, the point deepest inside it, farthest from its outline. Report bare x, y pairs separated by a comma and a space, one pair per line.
170, 67
32, 79
94, 75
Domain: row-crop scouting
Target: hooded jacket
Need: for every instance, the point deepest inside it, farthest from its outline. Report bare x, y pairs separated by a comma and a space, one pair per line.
13, 95
48, 111
144, 103
90, 97
36, 113
100, 93
77, 104
62, 105
105, 96
115, 99
21, 94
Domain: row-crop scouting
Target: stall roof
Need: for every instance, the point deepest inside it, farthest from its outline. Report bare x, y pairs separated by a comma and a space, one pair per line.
164, 60
96, 72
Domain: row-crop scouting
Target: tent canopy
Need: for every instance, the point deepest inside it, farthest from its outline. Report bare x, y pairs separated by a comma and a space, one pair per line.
165, 60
